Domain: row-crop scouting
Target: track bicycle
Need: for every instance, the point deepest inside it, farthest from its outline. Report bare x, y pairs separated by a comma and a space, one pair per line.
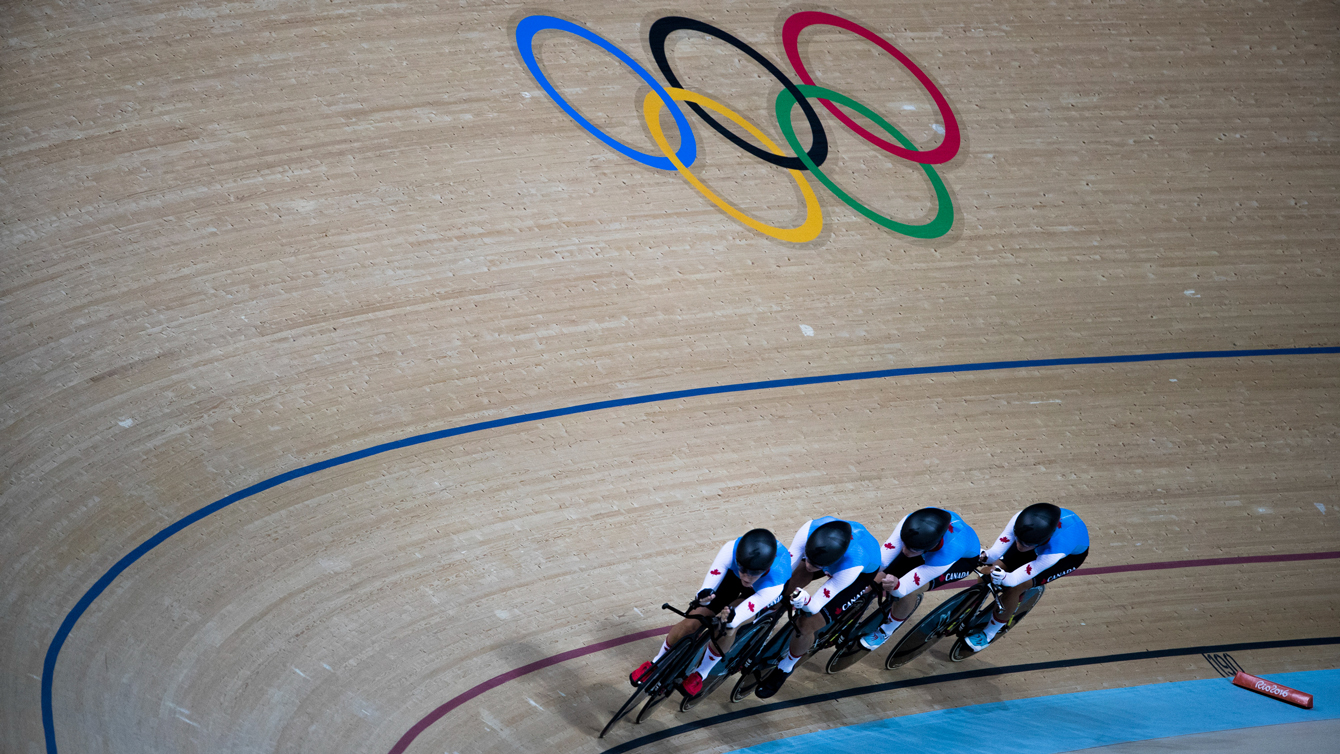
960, 615
671, 670
852, 651
836, 633
751, 640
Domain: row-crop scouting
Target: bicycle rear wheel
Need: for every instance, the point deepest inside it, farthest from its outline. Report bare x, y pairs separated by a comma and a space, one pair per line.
961, 651
713, 682
652, 703
941, 621
767, 659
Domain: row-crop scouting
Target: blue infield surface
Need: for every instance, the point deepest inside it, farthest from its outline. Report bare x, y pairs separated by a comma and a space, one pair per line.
1066, 722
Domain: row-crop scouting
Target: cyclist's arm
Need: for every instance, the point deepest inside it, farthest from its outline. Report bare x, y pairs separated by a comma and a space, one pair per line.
836, 583
1029, 570
917, 578
797, 547
756, 602
893, 545
1002, 542
718, 570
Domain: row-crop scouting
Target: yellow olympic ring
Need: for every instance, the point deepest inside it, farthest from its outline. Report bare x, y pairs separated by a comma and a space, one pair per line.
814, 216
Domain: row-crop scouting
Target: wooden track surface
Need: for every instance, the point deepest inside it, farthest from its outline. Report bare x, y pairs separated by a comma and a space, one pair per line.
240, 239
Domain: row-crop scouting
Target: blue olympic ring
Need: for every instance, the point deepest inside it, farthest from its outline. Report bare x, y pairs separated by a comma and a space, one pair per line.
525, 34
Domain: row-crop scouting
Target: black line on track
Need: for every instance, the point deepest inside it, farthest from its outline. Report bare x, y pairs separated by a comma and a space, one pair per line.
1029, 667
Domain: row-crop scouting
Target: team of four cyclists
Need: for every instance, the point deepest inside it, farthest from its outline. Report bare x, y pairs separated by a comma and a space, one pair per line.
927, 548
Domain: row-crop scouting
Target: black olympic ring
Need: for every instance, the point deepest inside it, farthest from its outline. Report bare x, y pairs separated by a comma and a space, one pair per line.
664, 27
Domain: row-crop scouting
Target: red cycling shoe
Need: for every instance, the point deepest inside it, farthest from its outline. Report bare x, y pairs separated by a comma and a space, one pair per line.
638, 676
693, 685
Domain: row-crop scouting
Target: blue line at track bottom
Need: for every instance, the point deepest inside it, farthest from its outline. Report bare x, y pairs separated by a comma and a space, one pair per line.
1066, 722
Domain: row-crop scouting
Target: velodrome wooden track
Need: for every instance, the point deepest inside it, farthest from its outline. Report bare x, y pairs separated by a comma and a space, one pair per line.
241, 239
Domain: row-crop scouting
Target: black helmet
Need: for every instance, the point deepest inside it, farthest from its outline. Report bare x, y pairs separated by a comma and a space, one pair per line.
755, 551
924, 529
1036, 523
828, 543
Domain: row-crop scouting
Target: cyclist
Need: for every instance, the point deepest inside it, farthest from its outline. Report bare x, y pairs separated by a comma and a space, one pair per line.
1041, 543
849, 556
929, 547
754, 567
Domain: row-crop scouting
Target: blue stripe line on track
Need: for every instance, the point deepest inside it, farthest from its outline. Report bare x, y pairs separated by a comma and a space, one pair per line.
1068, 722
67, 625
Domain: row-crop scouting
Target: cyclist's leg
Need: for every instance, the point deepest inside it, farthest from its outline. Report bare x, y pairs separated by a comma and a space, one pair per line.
712, 654
903, 607
1009, 601
677, 633
809, 625
727, 592
1010, 597
806, 627
720, 645
801, 641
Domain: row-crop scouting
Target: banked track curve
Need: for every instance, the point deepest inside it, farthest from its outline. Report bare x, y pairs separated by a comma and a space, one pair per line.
72, 618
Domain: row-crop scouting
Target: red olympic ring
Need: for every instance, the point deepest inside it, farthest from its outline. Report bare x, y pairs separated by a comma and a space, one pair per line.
805, 19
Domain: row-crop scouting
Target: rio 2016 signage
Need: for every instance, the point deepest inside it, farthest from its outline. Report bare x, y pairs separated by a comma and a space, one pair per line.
800, 160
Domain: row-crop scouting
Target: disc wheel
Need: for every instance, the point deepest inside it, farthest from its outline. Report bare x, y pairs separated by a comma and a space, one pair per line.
930, 629
744, 688
961, 651
763, 664
652, 703
712, 683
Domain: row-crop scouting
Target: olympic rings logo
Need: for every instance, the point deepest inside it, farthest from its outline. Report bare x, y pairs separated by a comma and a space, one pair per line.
799, 160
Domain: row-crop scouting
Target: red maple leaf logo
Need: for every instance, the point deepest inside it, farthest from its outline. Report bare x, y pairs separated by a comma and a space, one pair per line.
1028, 570
1058, 524
751, 607
1006, 540
916, 579
888, 545
827, 593
715, 572
951, 528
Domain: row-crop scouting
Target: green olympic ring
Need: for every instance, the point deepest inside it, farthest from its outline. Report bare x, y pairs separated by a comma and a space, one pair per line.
944, 216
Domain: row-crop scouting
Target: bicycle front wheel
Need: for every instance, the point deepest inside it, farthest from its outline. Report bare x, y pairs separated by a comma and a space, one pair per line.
627, 707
